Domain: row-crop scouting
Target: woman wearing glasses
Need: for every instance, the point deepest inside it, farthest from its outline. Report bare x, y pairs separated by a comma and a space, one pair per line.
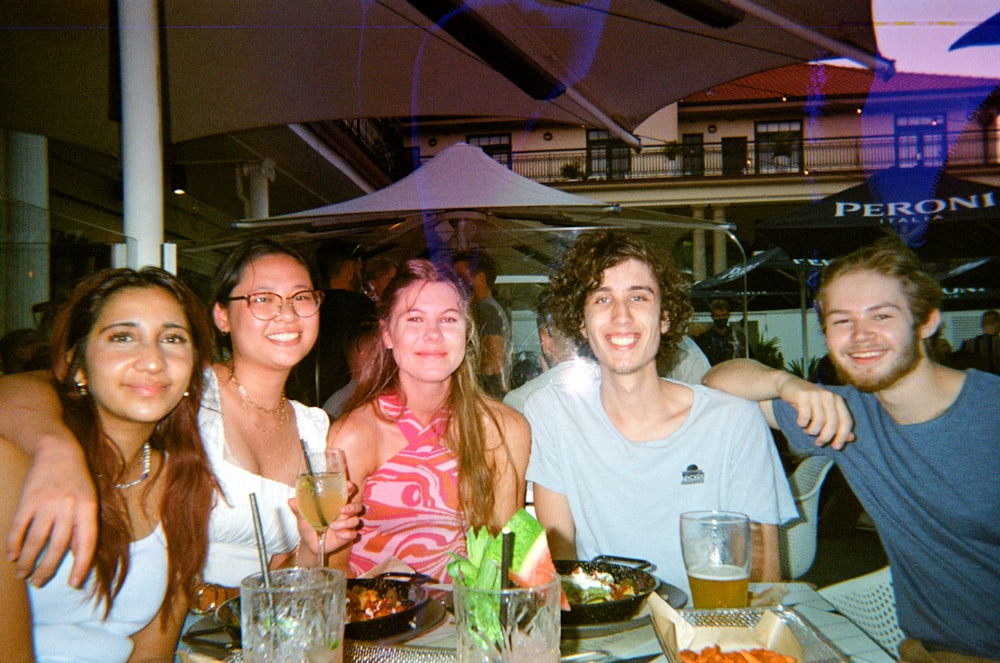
265, 312
264, 307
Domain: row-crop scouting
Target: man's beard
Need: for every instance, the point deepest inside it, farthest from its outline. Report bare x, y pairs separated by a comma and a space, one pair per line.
909, 357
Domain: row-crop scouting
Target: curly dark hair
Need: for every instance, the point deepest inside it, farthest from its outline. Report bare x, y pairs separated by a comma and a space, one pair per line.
582, 272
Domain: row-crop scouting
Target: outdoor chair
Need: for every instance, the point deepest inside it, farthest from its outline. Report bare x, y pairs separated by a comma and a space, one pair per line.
870, 603
797, 539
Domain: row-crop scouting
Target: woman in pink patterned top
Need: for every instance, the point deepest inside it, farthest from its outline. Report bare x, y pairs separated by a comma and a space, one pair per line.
430, 453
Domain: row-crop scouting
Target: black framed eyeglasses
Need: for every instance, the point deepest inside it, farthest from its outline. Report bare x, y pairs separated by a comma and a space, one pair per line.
268, 305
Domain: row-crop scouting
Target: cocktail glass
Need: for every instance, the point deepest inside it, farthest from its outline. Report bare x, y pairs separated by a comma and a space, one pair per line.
321, 490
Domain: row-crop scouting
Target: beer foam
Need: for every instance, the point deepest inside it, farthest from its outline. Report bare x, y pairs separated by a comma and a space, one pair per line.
718, 573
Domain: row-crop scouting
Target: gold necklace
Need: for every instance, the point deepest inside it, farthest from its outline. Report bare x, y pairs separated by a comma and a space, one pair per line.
280, 412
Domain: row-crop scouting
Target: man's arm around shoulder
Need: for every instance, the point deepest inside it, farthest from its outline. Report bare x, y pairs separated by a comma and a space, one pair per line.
821, 413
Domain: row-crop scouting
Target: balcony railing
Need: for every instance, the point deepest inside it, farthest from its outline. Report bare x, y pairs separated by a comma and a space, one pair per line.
814, 156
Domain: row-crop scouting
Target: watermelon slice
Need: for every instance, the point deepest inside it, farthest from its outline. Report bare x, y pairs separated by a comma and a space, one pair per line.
531, 563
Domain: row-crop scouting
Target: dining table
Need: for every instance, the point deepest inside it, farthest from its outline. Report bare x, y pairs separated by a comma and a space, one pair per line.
635, 644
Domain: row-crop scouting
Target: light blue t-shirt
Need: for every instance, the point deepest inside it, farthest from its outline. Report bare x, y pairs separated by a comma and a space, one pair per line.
933, 491
626, 497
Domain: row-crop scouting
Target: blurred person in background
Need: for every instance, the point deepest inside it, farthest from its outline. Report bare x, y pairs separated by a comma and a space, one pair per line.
344, 308
23, 350
360, 346
479, 271
378, 272
560, 361
722, 340
983, 351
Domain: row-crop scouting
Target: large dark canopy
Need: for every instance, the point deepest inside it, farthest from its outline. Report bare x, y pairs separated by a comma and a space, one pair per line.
942, 217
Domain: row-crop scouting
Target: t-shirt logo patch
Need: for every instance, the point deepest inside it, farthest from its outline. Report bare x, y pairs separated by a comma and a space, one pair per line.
692, 475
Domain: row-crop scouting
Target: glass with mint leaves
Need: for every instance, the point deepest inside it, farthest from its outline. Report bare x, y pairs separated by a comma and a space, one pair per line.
507, 596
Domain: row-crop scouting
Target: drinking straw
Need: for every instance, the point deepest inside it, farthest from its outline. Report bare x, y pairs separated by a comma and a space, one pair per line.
309, 471
305, 454
258, 531
506, 558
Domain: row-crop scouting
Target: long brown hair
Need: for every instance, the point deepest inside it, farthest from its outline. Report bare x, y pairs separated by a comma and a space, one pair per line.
188, 493
470, 410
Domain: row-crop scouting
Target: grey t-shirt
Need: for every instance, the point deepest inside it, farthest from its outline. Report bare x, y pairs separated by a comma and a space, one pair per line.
933, 491
626, 497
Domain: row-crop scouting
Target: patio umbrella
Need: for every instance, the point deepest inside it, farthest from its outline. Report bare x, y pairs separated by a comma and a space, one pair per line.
463, 198
940, 216
770, 279
238, 65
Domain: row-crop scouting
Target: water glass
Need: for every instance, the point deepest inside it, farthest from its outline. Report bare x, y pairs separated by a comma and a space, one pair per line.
508, 625
716, 547
299, 619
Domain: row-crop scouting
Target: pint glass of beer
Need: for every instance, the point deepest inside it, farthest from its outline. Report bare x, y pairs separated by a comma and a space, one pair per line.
716, 547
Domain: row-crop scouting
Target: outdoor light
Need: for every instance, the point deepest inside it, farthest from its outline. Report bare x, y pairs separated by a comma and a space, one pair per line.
178, 180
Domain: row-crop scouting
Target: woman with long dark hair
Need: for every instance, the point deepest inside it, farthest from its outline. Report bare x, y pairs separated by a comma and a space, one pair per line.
128, 351
264, 306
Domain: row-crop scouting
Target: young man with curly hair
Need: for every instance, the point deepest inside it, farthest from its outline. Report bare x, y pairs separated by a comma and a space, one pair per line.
923, 458
616, 459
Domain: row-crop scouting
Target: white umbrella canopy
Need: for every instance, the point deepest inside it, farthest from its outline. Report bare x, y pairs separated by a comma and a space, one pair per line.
461, 177
463, 198
239, 65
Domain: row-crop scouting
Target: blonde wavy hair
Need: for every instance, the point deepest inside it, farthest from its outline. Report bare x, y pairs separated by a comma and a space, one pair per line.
470, 413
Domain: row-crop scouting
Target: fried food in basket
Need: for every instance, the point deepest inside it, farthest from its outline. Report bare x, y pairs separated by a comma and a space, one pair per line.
714, 654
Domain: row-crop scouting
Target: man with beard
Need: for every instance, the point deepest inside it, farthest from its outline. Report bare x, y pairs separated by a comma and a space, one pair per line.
619, 454
923, 454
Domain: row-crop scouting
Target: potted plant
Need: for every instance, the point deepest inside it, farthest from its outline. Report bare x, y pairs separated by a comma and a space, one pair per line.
571, 171
672, 149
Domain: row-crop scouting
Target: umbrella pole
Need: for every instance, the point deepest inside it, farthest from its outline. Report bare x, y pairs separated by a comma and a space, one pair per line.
746, 289
805, 326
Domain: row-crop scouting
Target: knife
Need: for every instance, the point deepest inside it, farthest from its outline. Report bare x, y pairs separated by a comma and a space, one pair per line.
600, 656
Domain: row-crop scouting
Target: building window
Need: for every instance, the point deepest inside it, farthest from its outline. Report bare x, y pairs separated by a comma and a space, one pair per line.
920, 140
693, 154
607, 157
495, 145
778, 147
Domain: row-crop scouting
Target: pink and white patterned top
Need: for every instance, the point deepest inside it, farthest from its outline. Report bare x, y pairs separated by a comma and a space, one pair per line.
411, 502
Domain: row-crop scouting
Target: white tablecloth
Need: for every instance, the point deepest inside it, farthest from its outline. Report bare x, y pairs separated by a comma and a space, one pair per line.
641, 641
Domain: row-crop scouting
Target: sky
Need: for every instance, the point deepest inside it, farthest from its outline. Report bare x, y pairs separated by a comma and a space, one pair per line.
917, 34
